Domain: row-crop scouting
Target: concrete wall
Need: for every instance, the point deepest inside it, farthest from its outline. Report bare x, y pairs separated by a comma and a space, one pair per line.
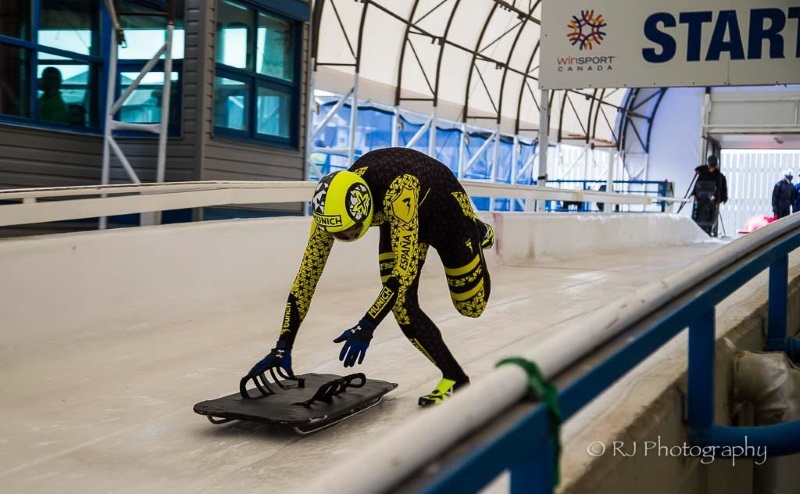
532, 236
109, 279
647, 406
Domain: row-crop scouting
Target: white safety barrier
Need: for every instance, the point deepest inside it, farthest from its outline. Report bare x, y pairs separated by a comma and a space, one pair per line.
524, 237
40, 205
57, 284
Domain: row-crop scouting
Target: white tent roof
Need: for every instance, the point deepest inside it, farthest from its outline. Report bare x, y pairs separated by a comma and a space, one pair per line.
475, 60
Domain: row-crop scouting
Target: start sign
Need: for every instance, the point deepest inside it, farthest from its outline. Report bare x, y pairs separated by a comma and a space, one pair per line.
630, 43
768, 27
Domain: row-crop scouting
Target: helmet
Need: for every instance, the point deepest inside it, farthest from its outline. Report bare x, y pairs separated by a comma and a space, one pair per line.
788, 174
342, 205
713, 161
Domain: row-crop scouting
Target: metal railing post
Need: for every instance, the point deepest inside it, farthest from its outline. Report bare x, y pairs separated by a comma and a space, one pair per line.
701, 372
776, 318
534, 475
105, 174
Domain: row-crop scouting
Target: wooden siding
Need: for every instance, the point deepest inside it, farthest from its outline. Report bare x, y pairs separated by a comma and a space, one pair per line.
227, 159
34, 157
183, 159
31, 157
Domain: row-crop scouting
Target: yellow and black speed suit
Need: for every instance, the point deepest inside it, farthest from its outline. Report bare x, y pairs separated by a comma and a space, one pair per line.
418, 203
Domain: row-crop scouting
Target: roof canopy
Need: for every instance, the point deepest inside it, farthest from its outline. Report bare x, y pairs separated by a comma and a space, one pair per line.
473, 61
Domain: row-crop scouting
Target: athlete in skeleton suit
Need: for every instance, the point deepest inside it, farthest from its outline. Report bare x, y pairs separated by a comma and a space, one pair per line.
417, 203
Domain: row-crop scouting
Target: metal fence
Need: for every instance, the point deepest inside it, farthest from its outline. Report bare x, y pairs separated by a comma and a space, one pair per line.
751, 175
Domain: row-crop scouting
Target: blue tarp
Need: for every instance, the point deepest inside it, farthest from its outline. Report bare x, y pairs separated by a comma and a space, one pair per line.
374, 131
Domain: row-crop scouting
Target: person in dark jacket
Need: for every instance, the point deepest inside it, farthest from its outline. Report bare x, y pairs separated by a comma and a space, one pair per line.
710, 190
721, 183
783, 195
796, 203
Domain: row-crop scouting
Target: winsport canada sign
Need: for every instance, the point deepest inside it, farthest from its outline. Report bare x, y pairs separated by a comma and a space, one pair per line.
635, 43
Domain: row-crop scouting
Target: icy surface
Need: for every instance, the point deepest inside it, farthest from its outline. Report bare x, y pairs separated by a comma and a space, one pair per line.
109, 409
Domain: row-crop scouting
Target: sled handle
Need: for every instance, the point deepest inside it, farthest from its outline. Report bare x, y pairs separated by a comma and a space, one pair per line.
327, 391
263, 386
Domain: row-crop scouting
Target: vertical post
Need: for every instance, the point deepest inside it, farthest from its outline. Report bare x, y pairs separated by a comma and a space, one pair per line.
586, 157
612, 161
395, 126
432, 135
704, 119
310, 111
351, 145
701, 371
544, 130
610, 180
165, 97
515, 152
462, 150
109, 117
534, 475
495, 164
776, 322
544, 144
154, 218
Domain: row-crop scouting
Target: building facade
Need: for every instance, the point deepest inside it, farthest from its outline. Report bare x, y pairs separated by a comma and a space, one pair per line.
238, 96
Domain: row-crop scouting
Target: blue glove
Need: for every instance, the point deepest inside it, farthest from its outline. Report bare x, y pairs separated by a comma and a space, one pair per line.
356, 341
280, 358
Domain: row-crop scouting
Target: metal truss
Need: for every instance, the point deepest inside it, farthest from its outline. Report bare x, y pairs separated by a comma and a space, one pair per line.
605, 115
600, 114
637, 114
416, 34
142, 9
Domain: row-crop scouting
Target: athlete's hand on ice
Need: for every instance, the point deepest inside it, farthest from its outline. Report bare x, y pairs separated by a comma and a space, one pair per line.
356, 341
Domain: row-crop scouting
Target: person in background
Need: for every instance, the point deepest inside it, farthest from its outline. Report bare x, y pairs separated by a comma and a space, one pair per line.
783, 195
51, 104
720, 195
710, 190
721, 183
796, 202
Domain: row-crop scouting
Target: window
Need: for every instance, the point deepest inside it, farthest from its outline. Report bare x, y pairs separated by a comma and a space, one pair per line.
14, 98
143, 105
256, 88
54, 70
60, 46
145, 35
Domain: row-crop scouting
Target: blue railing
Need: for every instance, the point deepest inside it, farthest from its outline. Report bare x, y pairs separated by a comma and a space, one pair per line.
528, 449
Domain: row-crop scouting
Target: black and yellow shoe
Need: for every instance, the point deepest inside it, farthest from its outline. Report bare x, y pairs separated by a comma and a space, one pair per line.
444, 390
487, 235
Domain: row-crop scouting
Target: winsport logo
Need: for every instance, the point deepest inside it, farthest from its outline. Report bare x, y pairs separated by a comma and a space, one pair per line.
587, 30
